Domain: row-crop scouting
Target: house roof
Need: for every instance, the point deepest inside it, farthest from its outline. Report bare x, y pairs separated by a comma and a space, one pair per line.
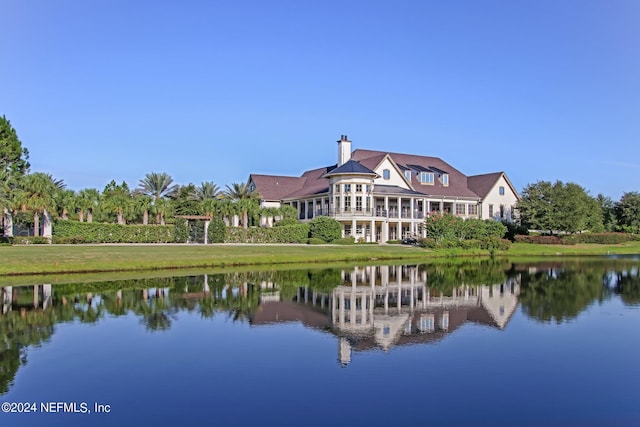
457, 180
273, 187
482, 184
351, 168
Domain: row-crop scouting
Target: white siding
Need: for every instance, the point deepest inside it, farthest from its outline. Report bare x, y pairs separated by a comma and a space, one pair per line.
395, 178
508, 200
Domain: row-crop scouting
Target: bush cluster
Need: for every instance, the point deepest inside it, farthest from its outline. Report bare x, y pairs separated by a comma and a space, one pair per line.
325, 228
540, 240
91, 232
27, 240
181, 231
600, 238
573, 239
217, 231
298, 233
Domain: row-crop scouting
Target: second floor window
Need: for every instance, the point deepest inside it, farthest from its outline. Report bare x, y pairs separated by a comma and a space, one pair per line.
358, 188
426, 177
347, 188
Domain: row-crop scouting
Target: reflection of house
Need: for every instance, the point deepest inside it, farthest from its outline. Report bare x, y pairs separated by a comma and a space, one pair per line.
37, 296
382, 307
380, 196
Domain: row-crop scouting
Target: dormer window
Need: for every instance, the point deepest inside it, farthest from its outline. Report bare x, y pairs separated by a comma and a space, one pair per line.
407, 174
386, 174
445, 179
426, 177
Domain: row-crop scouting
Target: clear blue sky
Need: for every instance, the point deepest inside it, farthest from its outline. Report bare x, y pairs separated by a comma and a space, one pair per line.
216, 90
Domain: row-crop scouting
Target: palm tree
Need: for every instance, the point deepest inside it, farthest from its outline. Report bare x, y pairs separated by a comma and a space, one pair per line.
143, 204
117, 199
65, 201
157, 185
37, 193
161, 207
206, 190
243, 192
86, 202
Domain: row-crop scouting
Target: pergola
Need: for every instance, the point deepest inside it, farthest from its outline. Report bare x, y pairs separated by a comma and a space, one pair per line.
205, 218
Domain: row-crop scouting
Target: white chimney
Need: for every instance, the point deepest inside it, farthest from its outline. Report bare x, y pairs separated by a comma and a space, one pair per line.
344, 150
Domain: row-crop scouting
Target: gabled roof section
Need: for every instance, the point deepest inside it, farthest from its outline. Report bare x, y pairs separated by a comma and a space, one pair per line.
351, 168
457, 180
274, 187
482, 184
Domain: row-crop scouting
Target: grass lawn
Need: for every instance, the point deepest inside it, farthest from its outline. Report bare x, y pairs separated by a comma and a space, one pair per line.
61, 259
42, 259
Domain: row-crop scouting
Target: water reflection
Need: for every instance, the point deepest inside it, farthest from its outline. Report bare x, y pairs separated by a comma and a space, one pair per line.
371, 307
386, 306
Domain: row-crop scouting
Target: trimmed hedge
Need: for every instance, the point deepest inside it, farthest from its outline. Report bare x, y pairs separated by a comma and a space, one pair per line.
217, 231
298, 233
325, 228
539, 240
28, 240
573, 239
91, 232
600, 238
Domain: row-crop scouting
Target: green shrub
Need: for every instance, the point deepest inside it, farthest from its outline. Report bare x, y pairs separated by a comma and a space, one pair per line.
315, 241
514, 229
599, 238
286, 221
325, 228
540, 240
394, 242
29, 240
495, 244
217, 231
93, 232
181, 230
298, 233
71, 240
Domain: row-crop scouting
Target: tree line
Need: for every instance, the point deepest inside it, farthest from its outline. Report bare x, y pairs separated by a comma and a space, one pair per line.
549, 207
30, 196
569, 208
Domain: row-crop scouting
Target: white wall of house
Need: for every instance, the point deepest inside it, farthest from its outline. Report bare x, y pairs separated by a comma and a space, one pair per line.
507, 201
270, 204
395, 177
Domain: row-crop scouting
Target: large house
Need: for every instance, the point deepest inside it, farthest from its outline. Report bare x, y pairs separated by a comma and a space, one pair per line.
380, 196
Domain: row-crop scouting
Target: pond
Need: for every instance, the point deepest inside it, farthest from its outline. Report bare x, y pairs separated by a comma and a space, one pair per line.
470, 343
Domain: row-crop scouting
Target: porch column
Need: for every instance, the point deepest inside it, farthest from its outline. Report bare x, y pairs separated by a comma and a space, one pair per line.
441, 207
315, 208
298, 205
372, 236
306, 209
206, 229
399, 207
353, 227
386, 205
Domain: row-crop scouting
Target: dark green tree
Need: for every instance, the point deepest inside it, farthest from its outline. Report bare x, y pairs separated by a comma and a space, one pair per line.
608, 212
325, 228
13, 157
628, 212
559, 207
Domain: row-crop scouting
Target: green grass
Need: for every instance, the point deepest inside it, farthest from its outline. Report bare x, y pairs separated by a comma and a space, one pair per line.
58, 260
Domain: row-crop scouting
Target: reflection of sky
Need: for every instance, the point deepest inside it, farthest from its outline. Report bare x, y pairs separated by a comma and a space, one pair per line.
214, 371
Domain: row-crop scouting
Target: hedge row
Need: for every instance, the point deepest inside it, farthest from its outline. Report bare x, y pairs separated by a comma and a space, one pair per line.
24, 240
489, 243
298, 233
91, 232
573, 239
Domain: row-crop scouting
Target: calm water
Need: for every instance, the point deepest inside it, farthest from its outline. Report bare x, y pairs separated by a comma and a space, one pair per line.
468, 344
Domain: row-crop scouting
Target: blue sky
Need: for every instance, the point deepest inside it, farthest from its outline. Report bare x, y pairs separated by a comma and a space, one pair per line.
216, 90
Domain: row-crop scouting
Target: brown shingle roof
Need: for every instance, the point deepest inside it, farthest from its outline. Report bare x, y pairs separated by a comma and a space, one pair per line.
457, 180
273, 187
482, 184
